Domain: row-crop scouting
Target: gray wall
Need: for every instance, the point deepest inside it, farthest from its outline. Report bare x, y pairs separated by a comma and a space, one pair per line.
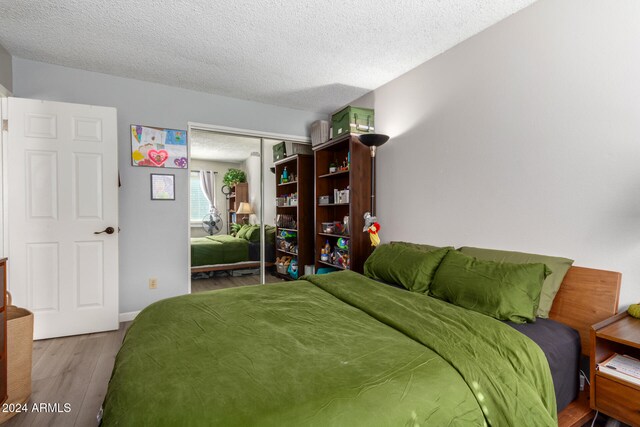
6, 71
524, 137
154, 237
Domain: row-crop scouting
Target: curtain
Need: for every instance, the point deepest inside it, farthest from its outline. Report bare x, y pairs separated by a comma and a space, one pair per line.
208, 187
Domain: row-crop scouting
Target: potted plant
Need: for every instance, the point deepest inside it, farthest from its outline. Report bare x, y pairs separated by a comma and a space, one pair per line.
233, 177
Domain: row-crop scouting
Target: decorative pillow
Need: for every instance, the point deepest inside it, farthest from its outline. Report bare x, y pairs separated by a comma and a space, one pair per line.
498, 289
558, 267
253, 233
270, 233
242, 233
404, 265
420, 246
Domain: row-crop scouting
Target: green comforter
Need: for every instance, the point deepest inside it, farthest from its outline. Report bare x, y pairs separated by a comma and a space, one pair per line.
338, 349
224, 249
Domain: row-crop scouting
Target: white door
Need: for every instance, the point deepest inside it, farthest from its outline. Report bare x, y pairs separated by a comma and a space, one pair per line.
63, 188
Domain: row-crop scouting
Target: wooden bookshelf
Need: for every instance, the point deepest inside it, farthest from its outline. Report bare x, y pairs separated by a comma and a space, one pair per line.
300, 165
239, 194
358, 179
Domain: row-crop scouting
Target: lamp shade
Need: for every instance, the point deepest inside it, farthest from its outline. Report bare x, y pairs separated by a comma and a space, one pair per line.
373, 139
244, 209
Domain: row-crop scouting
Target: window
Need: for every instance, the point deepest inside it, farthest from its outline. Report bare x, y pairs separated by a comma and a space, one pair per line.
199, 203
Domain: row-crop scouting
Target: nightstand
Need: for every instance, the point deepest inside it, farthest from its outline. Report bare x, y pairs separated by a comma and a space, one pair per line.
610, 395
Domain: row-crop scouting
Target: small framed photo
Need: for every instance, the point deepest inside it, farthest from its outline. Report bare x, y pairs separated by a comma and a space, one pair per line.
163, 186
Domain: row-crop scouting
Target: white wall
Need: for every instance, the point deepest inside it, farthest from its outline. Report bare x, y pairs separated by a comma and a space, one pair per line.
524, 137
221, 201
154, 236
252, 169
6, 71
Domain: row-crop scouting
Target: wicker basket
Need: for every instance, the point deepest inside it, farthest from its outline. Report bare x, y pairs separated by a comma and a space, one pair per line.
19, 355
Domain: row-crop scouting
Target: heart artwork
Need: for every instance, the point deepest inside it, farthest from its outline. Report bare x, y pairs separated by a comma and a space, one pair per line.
181, 162
158, 157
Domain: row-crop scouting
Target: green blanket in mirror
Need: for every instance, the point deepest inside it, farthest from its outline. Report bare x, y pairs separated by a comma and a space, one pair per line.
337, 349
227, 249
222, 249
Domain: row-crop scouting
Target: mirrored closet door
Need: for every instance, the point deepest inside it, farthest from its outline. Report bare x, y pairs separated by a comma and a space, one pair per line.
233, 213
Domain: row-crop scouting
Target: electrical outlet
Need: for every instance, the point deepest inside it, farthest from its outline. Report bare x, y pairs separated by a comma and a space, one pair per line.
153, 283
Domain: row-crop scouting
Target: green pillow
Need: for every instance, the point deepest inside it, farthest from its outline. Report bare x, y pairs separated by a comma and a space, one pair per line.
404, 265
253, 233
419, 246
498, 289
558, 267
242, 233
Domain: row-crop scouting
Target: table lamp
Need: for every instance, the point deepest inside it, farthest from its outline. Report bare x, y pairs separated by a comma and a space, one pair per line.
244, 209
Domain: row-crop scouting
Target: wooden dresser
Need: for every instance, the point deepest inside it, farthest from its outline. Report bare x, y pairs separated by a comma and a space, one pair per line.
3, 330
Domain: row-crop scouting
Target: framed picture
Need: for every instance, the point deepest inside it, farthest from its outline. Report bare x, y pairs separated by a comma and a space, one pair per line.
163, 187
158, 147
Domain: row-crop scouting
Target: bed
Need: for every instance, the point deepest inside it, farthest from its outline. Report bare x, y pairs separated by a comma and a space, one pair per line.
344, 349
226, 252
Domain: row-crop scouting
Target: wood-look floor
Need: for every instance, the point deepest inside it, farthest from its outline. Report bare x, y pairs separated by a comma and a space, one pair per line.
74, 370
221, 281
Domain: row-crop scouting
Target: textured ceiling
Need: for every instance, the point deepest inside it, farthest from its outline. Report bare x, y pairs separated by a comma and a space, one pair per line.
313, 55
221, 147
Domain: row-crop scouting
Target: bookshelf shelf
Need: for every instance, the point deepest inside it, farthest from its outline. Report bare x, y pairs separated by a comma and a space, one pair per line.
330, 175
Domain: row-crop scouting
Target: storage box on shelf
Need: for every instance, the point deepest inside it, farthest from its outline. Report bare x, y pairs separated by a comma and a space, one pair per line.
352, 120
614, 395
289, 149
319, 132
342, 196
294, 213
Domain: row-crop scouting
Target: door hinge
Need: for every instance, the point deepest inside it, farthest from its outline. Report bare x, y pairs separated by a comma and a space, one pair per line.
5, 125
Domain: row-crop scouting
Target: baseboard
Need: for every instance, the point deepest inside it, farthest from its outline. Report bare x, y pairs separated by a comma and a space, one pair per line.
128, 317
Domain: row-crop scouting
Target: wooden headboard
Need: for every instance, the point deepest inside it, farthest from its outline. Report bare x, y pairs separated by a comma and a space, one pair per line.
586, 297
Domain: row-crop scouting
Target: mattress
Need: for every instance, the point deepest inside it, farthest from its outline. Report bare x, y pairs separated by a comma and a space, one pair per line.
561, 346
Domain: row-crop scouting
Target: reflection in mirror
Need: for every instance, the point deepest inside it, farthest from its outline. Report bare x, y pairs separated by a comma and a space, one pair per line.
226, 208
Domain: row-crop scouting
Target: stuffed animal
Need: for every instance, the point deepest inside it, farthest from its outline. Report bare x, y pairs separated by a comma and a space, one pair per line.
373, 234
343, 243
372, 227
368, 220
634, 310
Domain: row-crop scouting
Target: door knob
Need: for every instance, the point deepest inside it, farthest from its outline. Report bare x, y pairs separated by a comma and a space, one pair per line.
108, 230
